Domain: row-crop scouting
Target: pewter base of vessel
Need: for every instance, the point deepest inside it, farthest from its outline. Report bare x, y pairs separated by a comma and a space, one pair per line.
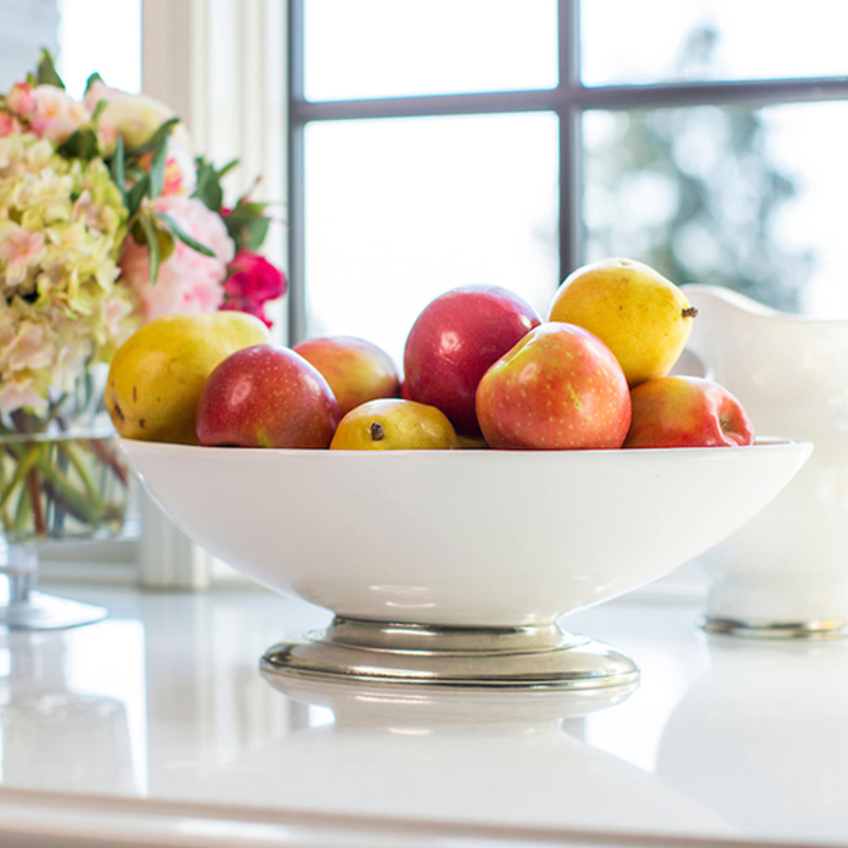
824, 628
402, 654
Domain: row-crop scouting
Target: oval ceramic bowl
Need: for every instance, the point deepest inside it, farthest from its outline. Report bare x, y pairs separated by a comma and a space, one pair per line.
454, 566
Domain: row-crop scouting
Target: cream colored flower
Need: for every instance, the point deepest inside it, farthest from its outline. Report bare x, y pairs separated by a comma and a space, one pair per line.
134, 116
57, 115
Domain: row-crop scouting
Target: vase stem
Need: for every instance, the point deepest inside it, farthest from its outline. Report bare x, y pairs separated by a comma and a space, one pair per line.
20, 565
25, 608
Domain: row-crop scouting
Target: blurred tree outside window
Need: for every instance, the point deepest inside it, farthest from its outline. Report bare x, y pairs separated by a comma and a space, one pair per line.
694, 192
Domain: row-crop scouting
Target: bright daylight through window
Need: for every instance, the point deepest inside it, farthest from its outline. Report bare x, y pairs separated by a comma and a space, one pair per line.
505, 142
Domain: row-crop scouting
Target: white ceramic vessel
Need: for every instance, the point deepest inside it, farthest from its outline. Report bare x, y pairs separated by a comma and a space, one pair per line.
454, 566
784, 573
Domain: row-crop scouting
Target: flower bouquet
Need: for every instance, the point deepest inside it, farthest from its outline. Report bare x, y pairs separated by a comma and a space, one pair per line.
108, 219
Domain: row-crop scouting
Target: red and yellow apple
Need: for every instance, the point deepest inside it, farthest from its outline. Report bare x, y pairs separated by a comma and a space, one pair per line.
356, 369
559, 388
686, 412
266, 397
454, 341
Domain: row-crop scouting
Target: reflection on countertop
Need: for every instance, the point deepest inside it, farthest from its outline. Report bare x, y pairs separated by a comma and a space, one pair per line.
164, 701
762, 736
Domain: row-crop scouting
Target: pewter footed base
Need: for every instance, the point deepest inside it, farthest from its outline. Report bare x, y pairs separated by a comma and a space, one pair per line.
401, 654
825, 628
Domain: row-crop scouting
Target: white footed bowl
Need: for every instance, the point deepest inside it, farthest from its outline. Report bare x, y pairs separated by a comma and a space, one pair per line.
479, 540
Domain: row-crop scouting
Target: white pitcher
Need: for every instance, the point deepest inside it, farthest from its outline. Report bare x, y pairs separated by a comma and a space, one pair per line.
786, 572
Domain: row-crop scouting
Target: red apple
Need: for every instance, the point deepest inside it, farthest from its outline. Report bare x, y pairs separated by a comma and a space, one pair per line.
356, 369
559, 388
266, 397
455, 340
686, 412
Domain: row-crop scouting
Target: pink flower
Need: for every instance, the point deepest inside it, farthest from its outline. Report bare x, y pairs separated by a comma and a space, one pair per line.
57, 116
253, 281
29, 350
116, 310
19, 250
21, 394
9, 124
180, 172
188, 281
20, 100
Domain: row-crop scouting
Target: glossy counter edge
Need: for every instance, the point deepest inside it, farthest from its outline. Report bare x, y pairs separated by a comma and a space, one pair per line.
53, 819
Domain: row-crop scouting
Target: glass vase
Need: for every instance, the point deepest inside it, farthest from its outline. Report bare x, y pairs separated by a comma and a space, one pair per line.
60, 479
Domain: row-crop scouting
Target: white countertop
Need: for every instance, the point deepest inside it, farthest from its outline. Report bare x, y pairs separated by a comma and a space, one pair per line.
161, 728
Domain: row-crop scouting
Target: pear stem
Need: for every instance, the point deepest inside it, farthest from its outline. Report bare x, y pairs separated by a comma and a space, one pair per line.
376, 431
690, 312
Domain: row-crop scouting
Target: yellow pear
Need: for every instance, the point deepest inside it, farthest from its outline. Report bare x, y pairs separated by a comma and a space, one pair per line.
642, 317
394, 424
156, 376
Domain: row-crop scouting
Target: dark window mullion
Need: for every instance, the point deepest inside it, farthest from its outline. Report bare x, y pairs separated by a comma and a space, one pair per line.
570, 142
296, 177
430, 105
750, 93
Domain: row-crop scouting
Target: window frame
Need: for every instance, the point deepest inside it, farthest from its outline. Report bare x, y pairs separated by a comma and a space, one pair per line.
568, 101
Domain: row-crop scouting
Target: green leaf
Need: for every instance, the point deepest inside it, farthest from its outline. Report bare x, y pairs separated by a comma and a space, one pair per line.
157, 168
118, 168
46, 73
98, 111
137, 231
136, 193
82, 144
249, 208
247, 231
95, 77
152, 246
247, 224
167, 243
222, 172
165, 129
208, 189
183, 236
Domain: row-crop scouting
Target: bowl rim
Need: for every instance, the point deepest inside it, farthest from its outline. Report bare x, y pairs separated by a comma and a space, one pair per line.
763, 444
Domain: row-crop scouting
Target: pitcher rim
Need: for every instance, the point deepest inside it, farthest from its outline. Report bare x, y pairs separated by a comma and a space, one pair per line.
759, 310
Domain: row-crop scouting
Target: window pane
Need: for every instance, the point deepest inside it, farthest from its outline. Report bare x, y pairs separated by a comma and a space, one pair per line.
665, 40
87, 43
399, 211
753, 200
383, 48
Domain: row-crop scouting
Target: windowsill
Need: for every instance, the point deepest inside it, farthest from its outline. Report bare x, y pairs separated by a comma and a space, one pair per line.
104, 561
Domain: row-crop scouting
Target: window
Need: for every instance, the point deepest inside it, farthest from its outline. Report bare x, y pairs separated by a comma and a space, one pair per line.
436, 143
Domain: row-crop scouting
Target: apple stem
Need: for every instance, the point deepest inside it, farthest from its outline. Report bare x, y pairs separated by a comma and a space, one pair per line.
377, 432
690, 312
